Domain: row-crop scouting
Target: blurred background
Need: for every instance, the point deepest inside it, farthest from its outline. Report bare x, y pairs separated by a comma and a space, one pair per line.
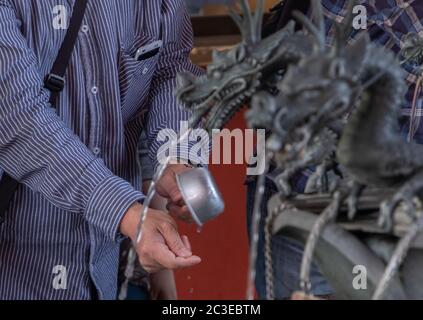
223, 243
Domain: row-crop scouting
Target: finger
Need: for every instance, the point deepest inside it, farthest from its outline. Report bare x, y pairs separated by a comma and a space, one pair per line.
181, 213
170, 204
168, 260
174, 194
181, 263
180, 203
186, 262
162, 257
179, 210
186, 242
173, 240
185, 219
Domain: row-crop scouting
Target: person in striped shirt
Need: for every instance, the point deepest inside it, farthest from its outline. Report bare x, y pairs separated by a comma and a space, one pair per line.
79, 192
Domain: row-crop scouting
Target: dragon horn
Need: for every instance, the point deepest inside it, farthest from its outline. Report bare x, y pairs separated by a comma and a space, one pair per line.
238, 21
343, 30
318, 32
258, 20
320, 21
250, 26
310, 27
248, 21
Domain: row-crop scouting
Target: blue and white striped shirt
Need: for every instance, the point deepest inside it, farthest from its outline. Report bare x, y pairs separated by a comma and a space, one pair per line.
77, 165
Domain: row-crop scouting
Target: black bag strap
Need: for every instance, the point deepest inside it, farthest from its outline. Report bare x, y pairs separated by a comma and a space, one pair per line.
55, 83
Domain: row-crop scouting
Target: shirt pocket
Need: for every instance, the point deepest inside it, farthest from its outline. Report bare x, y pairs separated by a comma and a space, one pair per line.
135, 78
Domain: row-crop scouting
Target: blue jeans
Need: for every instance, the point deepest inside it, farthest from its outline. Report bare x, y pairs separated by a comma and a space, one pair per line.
137, 293
286, 253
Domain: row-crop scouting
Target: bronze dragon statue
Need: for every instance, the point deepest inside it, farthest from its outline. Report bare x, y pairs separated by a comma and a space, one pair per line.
336, 108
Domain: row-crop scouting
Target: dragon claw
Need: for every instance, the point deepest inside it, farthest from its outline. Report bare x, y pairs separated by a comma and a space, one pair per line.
284, 187
317, 183
388, 208
352, 207
352, 199
385, 216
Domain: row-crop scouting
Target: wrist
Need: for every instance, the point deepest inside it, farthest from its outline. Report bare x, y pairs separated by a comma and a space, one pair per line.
129, 222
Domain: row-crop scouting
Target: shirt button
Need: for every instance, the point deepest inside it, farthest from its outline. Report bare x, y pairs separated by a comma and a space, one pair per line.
96, 151
94, 90
145, 70
85, 28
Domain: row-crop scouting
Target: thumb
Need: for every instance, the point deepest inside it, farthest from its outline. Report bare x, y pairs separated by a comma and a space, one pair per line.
174, 241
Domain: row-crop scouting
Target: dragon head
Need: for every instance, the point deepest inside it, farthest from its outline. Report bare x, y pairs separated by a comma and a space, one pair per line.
235, 74
316, 90
216, 96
